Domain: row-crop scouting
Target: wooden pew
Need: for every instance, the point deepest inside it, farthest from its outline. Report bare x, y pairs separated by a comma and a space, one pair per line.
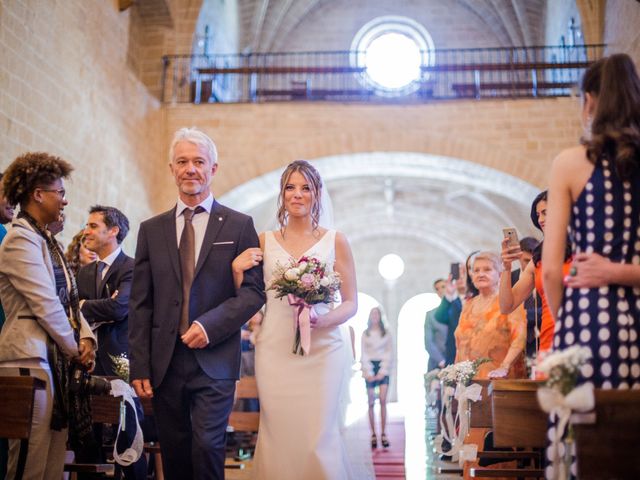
244, 422
517, 422
106, 409
607, 442
16, 405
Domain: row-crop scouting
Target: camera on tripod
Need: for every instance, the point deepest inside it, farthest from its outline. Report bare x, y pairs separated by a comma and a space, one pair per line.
81, 381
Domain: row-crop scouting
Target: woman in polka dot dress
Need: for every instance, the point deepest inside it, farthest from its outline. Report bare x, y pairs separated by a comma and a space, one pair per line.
595, 192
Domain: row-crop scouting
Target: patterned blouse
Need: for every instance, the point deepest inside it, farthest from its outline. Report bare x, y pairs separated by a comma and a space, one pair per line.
490, 334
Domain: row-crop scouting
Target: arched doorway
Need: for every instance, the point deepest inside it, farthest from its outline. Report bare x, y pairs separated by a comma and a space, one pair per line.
412, 365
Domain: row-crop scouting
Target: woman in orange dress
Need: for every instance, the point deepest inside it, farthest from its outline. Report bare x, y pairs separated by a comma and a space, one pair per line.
484, 332
513, 296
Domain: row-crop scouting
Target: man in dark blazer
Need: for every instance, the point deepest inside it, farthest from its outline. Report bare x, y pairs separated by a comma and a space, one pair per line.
185, 313
104, 287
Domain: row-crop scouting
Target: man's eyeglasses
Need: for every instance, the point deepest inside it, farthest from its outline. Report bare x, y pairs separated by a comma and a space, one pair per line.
62, 192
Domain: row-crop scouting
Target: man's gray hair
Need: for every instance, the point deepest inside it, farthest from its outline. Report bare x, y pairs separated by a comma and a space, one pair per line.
197, 137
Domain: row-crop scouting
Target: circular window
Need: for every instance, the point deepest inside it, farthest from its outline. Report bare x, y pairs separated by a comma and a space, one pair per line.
391, 50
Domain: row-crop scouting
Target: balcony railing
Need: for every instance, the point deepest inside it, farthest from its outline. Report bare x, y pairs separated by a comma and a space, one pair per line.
337, 76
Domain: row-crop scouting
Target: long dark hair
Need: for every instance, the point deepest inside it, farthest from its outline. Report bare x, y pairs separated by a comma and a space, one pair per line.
383, 326
615, 129
536, 256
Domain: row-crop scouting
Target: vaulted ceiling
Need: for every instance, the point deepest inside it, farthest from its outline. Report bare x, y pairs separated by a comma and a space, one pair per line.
264, 23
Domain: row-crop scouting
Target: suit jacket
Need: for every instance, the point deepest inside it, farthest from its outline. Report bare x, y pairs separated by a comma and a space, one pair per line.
108, 317
156, 295
449, 313
30, 300
435, 339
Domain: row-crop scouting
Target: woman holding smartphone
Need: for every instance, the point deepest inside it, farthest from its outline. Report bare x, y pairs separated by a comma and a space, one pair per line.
511, 296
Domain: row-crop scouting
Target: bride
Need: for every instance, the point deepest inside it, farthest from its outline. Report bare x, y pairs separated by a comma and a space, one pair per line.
300, 396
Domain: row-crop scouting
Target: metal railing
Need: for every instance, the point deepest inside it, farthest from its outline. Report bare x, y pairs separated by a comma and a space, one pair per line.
547, 71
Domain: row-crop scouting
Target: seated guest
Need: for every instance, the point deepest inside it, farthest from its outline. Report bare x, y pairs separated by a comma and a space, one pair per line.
77, 254
531, 277
45, 336
435, 333
484, 332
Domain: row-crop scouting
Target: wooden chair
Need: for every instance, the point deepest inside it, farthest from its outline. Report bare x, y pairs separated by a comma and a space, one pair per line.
607, 440
244, 422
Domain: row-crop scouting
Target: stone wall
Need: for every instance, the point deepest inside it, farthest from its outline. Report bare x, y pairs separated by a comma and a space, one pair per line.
520, 137
66, 88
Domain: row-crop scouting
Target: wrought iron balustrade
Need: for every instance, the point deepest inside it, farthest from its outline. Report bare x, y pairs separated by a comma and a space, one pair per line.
547, 71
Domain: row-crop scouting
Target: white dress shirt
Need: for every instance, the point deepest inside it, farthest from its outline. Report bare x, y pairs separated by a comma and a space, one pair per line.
199, 223
108, 260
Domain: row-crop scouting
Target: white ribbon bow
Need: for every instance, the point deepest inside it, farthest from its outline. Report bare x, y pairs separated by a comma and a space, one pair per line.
580, 399
473, 392
133, 453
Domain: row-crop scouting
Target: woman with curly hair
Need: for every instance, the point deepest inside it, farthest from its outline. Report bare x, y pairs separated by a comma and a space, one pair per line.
77, 254
44, 334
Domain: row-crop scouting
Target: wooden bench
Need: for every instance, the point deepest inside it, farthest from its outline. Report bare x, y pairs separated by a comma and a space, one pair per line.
17, 395
243, 422
16, 405
517, 422
607, 441
314, 93
474, 90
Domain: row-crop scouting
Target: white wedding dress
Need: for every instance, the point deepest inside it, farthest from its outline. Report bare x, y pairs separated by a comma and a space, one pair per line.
301, 397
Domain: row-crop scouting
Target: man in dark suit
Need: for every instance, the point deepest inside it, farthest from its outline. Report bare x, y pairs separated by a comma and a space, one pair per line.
185, 313
104, 287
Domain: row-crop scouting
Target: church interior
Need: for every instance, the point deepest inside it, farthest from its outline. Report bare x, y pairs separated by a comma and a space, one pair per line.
426, 168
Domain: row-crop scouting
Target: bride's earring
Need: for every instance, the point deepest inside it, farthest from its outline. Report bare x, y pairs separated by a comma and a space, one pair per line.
587, 128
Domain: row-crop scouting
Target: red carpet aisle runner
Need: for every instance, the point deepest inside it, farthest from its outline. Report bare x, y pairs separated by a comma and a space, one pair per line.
389, 463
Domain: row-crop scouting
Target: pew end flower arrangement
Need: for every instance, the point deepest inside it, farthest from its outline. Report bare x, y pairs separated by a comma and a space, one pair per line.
121, 366
309, 285
560, 397
456, 383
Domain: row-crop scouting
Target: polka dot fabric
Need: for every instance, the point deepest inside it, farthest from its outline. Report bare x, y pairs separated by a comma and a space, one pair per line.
605, 220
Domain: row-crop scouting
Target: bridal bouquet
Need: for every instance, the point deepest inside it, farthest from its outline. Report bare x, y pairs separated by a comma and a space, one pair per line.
560, 397
305, 283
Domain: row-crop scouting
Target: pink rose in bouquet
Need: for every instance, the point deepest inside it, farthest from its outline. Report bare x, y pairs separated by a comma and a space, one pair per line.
305, 283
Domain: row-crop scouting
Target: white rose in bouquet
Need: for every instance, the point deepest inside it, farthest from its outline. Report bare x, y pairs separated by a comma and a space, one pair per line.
325, 281
292, 274
302, 266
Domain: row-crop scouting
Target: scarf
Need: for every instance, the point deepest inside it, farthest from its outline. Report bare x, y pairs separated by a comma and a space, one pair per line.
72, 410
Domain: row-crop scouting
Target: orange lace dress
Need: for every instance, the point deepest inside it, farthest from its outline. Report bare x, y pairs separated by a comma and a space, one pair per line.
490, 334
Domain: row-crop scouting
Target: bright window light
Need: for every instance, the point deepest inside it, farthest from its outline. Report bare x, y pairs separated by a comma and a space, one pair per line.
393, 60
391, 266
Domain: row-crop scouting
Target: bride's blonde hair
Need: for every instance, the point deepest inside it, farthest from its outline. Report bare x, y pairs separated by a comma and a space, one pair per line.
312, 176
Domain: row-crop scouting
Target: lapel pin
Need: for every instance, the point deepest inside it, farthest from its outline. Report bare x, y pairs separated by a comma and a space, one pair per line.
220, 219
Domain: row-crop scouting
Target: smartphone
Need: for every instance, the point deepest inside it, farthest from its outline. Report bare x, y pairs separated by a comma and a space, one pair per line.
512, 235
455, 271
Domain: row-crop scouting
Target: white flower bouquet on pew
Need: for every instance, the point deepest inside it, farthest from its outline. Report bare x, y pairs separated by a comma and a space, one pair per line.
560, 397
457, 380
